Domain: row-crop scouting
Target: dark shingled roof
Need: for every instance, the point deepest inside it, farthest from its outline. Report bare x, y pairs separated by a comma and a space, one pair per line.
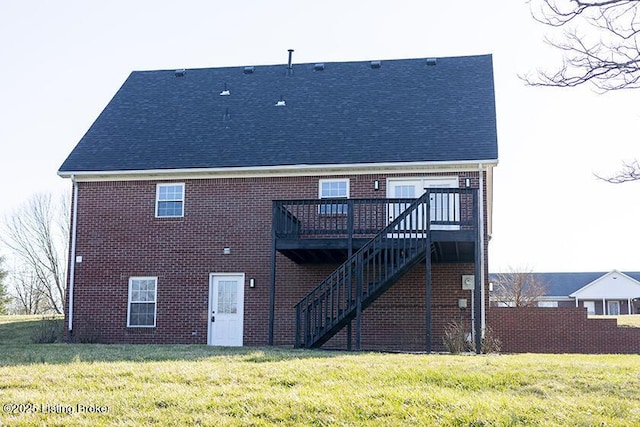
347, 113
564, 284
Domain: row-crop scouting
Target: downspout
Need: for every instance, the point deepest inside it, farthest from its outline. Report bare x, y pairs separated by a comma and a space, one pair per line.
482, 266
72, 260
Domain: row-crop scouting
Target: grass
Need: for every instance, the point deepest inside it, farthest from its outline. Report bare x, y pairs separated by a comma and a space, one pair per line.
200, 385
20, 329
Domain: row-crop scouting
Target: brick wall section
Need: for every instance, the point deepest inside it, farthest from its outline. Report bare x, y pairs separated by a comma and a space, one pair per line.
559, 330
397, 320
119, 237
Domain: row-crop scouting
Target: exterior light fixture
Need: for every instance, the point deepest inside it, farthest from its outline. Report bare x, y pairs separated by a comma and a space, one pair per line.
376, 185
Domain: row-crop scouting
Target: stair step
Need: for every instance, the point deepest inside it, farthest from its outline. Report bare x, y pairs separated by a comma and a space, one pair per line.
385, 268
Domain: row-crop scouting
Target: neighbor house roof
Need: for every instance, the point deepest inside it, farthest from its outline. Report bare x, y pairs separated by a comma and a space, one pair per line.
564, 284
331, 114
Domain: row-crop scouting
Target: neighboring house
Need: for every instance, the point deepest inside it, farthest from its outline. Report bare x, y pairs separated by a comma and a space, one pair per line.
338, 204
611, 293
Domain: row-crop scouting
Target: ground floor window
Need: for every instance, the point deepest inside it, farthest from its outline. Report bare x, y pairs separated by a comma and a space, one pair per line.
142, 302
552, 304
590, 306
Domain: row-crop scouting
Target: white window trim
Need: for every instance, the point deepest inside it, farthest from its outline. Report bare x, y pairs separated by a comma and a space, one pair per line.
172, 184
155, 302
322, 181
320, 196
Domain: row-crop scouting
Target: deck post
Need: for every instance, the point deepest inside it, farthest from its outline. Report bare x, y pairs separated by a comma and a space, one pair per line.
349, 254
358, 305
427, 266
477, 288
272, 289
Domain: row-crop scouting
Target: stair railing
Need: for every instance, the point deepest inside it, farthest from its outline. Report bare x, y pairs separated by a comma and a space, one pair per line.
366, 274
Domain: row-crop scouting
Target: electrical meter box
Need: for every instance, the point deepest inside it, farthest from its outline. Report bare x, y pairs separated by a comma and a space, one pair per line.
468, 282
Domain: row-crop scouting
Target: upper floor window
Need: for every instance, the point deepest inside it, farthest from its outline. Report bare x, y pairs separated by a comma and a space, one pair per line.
142, 302
333, 189
169, 200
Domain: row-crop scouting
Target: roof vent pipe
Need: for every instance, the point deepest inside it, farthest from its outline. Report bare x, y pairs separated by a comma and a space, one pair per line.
290, 63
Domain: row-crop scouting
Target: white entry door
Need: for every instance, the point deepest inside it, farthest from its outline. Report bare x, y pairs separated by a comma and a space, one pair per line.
226, 309
613, 308
444, 207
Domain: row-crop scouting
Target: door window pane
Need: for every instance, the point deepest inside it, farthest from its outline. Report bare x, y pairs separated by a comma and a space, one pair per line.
405, 192
227, 296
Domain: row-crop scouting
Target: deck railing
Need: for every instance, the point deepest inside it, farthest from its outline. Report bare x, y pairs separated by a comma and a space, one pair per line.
450, 209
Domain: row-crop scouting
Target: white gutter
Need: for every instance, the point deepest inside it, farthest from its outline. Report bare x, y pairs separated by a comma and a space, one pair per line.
72, 260
283, 170
482, 266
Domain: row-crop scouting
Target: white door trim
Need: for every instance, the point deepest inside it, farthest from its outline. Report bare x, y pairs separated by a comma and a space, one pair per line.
240, 309
448, 204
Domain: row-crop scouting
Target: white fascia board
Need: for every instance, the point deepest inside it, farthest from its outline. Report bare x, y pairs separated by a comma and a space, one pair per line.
554, 298
584, 290
280, 171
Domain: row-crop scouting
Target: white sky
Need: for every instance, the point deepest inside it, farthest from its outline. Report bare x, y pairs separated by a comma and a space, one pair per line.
61, 62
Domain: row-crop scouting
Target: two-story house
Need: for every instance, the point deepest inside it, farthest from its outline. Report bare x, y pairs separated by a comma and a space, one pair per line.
339, 204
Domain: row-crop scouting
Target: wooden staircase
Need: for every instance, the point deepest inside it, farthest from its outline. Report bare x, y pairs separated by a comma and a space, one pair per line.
366, 275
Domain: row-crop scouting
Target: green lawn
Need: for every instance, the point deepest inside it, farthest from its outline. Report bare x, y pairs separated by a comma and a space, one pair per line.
126, 385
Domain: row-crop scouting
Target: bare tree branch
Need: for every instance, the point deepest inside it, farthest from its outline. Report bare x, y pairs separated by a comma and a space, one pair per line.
37, 235
630, 171
600, 41
517, 288
5, 298
28, 297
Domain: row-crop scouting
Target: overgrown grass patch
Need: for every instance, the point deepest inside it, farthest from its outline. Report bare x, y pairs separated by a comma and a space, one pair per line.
200, 385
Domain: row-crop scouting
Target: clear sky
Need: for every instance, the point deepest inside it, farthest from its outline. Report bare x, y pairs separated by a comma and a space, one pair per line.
61, 62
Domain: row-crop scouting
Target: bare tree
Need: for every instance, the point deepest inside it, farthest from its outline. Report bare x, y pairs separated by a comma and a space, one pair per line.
37, 234
27, 296
599, 40
5, 299
517, 288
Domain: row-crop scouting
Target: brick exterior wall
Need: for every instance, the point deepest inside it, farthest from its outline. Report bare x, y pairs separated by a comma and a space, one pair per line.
559, 330
119, 237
